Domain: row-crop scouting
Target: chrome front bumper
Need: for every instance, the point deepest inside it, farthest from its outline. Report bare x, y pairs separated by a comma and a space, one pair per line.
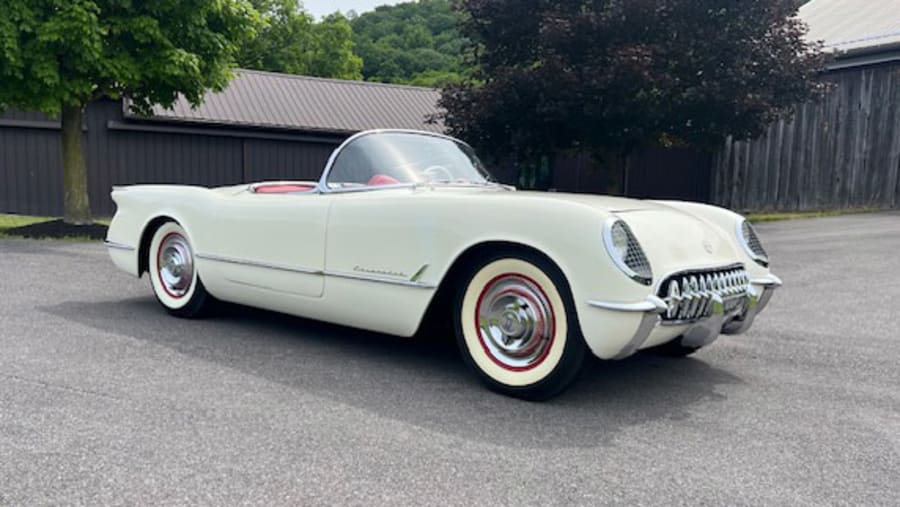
701, 332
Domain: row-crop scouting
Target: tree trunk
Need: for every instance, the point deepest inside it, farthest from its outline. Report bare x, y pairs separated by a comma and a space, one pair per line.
77, 206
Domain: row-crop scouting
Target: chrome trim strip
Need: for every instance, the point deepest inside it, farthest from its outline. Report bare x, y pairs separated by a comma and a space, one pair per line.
652, 304
620, 263
418, 274
380, 279
307, 271
256, 264
770, 281
119, 246
739, 232
769, 284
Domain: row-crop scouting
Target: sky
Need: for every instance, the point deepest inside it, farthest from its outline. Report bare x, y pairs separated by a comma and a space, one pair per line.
322, 7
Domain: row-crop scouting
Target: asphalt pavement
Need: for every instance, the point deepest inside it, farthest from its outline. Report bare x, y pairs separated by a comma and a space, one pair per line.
106, 400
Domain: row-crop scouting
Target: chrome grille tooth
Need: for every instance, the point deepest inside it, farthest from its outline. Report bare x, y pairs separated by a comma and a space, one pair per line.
689, 296
695, 288
673, 299
704, 296
706, 290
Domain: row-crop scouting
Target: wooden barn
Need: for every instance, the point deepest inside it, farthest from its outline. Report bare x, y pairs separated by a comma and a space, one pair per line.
264, 126
843, 151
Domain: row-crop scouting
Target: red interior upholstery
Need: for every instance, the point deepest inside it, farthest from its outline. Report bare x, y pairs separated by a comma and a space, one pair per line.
282, 188
382, 179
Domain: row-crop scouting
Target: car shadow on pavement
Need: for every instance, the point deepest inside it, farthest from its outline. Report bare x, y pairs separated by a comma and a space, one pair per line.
419, 382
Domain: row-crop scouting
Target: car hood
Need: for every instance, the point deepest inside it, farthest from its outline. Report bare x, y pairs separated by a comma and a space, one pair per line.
605, 203
672, 238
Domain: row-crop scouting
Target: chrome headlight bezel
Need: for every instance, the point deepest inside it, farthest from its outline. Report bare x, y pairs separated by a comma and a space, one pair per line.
751, 243
634, 264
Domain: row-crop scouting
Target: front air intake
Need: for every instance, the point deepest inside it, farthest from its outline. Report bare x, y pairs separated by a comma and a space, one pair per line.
689, 294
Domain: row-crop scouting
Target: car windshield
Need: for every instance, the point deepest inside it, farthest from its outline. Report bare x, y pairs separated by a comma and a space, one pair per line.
392, 158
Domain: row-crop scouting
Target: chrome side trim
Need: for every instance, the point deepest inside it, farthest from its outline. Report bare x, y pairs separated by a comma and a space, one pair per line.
739, 232
651, 308
256, 264
418, 274
651, 304
620, 262
769, 281
380, 279
769, 284
119, 246
365, 188
309, 271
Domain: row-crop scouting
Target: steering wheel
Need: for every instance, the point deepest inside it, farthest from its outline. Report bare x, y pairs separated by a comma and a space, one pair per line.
433, 173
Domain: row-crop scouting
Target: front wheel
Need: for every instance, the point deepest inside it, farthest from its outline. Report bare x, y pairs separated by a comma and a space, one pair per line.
516, 325
173, 273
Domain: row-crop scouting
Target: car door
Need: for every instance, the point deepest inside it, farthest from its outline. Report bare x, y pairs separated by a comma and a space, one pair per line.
274, 242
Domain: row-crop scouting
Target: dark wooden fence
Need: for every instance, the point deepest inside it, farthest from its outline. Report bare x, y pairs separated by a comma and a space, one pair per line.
842, 152
654, 173
122, 151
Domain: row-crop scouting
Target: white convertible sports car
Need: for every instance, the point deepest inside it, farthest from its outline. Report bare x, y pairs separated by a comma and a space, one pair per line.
406, 227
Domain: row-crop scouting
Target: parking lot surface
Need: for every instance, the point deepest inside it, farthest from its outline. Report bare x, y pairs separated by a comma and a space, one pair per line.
104, 399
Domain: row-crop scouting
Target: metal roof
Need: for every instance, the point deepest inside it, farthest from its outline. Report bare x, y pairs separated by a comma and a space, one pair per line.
284, 101
853, 26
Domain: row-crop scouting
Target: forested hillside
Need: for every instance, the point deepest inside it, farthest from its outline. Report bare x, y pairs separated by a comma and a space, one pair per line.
413, 43
291, 41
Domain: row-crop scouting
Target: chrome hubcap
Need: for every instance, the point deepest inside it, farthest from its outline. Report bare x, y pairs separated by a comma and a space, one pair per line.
515, 322
175, 265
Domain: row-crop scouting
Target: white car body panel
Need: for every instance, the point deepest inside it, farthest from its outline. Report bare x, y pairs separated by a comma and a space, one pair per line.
374, 260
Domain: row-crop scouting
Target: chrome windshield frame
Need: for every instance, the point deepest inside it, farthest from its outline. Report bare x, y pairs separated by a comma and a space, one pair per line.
322, 185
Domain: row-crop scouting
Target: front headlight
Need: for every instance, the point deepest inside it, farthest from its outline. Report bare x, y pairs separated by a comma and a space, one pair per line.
750, 241
625, 251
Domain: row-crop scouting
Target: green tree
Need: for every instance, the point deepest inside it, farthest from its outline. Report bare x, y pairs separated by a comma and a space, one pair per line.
608, 76
331, 53
57, 56
283, 41
292, 42
411, 43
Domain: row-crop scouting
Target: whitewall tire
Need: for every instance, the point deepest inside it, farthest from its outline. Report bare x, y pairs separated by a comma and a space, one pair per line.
516, 325
173, 272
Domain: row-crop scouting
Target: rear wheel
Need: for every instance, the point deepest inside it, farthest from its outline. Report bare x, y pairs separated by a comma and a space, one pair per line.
173, 273
516, 325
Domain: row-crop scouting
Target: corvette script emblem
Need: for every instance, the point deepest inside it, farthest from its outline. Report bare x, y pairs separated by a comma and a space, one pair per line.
708, 246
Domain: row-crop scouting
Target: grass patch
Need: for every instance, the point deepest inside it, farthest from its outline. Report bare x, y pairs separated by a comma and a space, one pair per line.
793, 215
10, 221
10, 228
